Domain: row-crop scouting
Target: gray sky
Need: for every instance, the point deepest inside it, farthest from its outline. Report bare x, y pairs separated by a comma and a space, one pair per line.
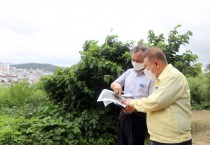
54, 31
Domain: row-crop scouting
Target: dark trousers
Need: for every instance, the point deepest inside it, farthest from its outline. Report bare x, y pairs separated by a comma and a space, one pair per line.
132, 128
189, 142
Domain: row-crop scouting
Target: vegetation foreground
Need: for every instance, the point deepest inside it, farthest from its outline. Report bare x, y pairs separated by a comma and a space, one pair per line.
32, 119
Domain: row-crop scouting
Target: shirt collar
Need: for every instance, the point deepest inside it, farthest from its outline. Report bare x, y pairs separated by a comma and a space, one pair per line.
139, 72
165, 71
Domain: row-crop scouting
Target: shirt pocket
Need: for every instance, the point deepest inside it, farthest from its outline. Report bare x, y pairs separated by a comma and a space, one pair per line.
143, 89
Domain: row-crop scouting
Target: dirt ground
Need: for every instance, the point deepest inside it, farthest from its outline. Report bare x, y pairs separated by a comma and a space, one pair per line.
201, 127
202, 139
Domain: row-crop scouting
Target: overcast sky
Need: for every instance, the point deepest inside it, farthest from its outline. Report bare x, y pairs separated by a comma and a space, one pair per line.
54, 31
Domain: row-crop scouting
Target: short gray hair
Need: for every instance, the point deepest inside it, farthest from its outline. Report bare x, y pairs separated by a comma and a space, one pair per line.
155, 53
138, 48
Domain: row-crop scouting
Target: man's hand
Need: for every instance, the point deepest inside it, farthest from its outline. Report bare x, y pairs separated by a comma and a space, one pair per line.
129, 110
116, 88
127, 101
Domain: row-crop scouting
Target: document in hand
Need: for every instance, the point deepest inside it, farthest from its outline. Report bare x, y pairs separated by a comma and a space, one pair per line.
108, 96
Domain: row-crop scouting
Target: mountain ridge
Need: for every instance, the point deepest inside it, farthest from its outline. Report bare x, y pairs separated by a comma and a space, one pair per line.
43, 66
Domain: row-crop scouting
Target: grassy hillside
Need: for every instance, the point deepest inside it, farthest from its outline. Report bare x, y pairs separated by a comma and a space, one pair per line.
45, 67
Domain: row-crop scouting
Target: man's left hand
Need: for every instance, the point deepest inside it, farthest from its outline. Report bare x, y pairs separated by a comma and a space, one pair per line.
127, 101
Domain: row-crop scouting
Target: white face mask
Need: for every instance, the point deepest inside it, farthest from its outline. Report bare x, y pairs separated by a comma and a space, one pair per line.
149, 74
137, 66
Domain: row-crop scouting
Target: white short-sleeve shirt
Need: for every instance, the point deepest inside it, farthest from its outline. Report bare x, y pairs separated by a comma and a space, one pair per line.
135, 84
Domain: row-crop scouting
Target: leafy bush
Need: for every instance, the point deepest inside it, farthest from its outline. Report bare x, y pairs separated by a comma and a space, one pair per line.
9, 131
51, 125
78, 88
46, 127
199, 87
21, 93
35, 120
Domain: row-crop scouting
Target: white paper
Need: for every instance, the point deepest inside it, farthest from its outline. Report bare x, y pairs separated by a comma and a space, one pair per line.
108, 96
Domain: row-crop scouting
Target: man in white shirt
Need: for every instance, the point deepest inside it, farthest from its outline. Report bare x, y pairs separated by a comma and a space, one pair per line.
132, 128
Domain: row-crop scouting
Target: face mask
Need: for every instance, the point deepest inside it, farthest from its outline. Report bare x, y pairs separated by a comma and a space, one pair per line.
137, 66
149, 74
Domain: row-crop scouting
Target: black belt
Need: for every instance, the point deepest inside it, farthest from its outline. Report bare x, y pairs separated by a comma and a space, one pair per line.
135, 113
189, 142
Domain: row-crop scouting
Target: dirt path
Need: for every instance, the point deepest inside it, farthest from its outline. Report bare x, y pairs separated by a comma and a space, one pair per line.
202, 138
201, 127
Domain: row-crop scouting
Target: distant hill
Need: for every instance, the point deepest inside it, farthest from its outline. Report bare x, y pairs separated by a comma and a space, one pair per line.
43, 66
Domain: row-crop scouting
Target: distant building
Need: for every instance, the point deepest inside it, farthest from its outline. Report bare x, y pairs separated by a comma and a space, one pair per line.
3, 79
12, 74
7, 79
4, 68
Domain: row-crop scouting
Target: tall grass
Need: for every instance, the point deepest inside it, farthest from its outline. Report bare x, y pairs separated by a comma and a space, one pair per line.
20, 93
3, 95
21, 99
199, 89
200, 121
200, 127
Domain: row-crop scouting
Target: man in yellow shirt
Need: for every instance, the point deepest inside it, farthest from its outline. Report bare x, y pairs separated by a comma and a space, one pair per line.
168, 107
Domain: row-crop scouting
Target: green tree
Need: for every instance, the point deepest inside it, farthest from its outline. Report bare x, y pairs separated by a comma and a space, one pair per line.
185, 62
78, 87
207, 69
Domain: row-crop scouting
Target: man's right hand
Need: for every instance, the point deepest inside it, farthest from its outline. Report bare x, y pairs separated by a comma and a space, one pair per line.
129, 110
116, 88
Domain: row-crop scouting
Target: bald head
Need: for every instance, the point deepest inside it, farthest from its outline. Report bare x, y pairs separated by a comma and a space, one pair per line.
155, 53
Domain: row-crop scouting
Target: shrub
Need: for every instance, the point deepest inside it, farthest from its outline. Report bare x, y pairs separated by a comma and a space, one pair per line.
199, 87
48, 126
21, 93
78, 87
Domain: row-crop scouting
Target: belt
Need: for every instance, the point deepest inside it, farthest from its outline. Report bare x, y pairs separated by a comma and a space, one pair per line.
142, 114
